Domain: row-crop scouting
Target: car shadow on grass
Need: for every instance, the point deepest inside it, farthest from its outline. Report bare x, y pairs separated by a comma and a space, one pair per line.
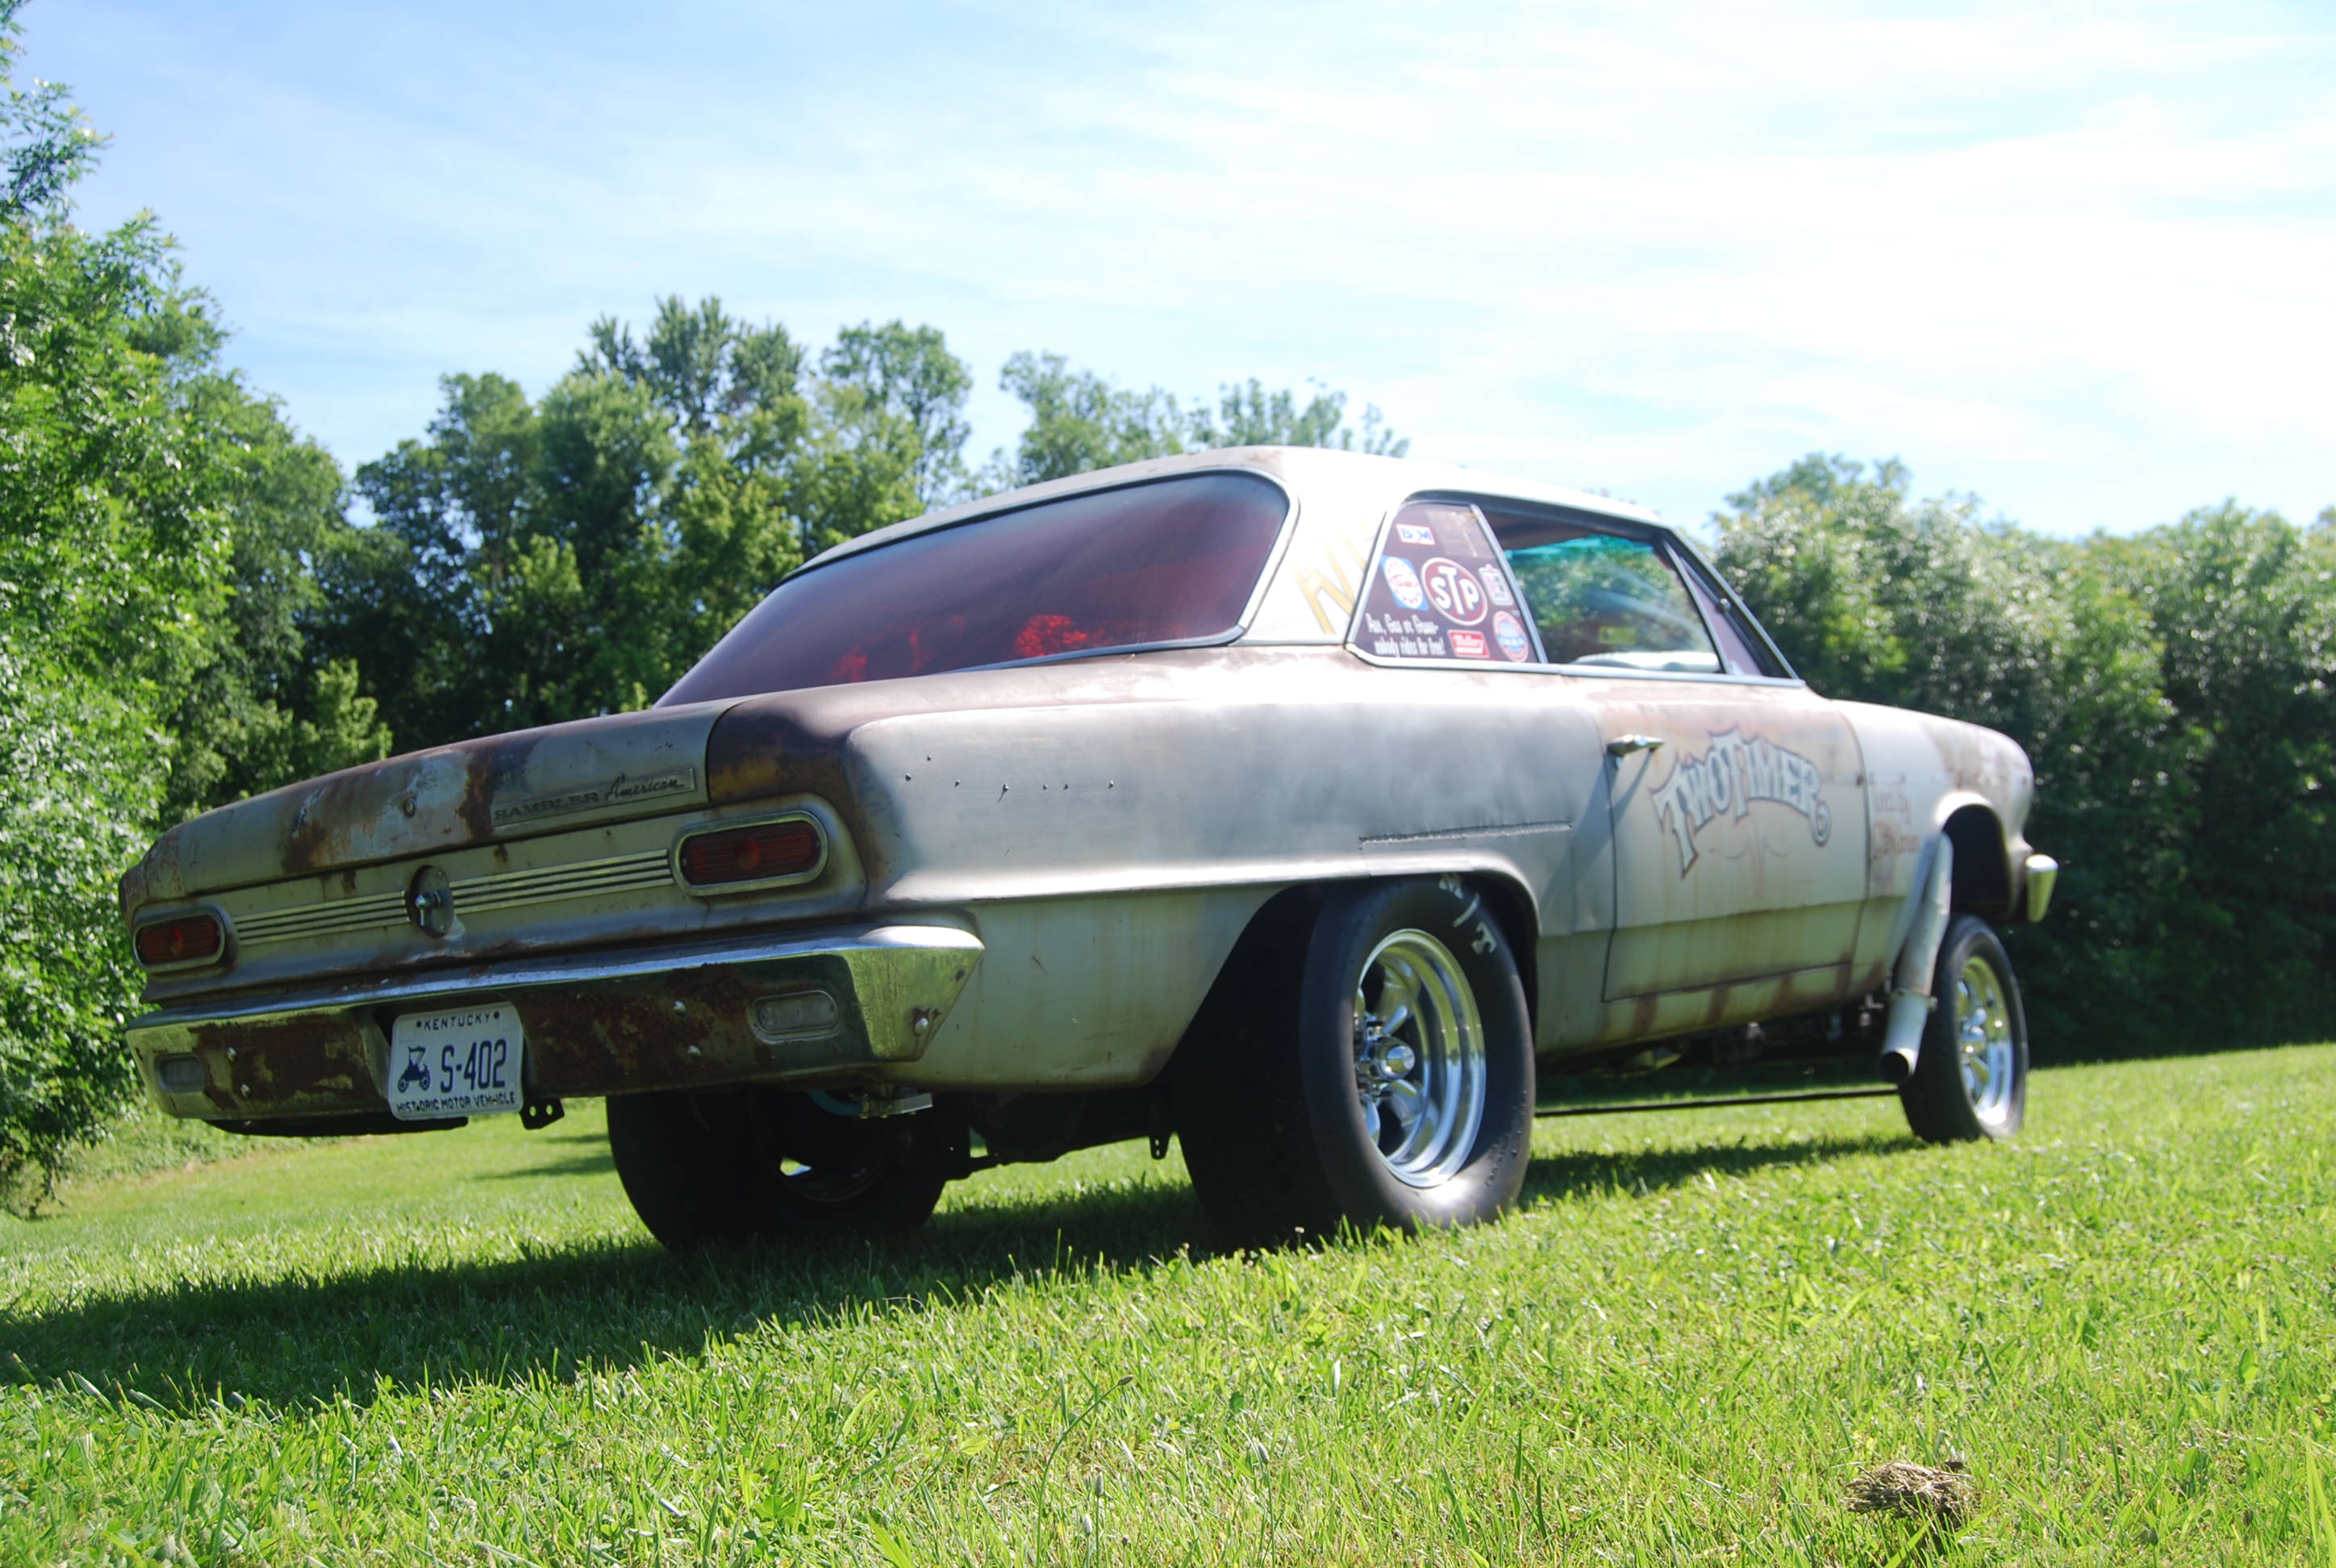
616, 1302
582, 1163
1590, 1173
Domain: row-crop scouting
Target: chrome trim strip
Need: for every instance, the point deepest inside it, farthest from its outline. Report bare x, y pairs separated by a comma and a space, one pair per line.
565, 970
321, 920
473, 895
502, 890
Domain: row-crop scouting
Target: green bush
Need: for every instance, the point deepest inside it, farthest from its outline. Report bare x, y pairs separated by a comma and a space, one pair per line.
2173, 691
156, 520
78, 777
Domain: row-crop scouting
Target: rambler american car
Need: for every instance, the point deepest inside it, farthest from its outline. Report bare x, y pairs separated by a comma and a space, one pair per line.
1298, 806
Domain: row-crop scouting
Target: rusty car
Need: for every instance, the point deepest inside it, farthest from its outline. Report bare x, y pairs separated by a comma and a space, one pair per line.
1301, 808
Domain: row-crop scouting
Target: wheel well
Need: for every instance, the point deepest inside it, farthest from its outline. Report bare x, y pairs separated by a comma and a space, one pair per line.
1273, 944
1513, 909
1982, 876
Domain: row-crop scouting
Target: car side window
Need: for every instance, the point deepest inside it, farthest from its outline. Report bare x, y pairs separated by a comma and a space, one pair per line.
1603, 600
1739, 647
1440, 590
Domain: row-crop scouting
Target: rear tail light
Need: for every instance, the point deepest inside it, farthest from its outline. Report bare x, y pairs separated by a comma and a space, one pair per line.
181, 941
790, 849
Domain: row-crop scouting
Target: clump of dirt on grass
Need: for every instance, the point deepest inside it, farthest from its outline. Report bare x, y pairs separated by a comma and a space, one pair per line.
1943, 1497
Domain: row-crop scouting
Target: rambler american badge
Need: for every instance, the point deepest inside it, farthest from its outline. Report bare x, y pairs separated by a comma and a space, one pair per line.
1736, 770
617, 791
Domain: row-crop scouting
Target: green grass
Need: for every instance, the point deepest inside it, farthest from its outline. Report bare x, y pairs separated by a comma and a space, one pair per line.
460, 1347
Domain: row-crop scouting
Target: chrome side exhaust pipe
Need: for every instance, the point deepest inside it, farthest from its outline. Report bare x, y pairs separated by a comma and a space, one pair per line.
1910, 992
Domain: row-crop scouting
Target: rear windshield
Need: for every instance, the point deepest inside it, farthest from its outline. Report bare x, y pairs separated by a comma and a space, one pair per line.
1166, 562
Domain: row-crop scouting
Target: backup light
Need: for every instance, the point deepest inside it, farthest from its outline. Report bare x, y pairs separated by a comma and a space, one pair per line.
180, 1074
181, 941
796, 1016
790, 849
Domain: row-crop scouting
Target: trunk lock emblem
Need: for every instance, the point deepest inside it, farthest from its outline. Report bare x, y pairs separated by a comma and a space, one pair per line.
430, 901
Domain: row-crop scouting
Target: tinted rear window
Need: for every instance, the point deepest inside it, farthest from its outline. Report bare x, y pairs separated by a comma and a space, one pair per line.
1166, 562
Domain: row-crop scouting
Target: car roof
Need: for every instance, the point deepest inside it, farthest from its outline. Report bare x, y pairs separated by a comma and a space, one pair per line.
1356, 482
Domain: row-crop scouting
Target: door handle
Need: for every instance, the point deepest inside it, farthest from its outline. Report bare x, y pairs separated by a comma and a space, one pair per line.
1623, 745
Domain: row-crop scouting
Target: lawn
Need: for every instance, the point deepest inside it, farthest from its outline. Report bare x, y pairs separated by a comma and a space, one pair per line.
460, 1347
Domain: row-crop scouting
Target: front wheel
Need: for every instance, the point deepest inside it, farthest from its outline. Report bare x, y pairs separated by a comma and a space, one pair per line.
1971, 1080
1397, 1090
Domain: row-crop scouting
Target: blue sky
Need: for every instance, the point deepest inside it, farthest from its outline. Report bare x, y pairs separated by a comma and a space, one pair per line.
2078, 260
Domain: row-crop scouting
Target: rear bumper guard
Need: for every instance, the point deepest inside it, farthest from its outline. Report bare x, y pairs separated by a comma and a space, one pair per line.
831, 1006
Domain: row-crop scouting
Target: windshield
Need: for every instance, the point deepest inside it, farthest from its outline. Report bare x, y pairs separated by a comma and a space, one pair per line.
1166, 562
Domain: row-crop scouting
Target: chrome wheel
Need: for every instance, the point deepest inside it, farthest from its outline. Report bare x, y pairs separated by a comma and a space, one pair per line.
1983, 1041
1419, 1057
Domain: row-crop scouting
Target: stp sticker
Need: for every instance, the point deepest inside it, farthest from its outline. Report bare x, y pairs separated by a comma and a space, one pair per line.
1415, 533
1469, 645
1496, 585
1510, 633
1403, 582
1459, 597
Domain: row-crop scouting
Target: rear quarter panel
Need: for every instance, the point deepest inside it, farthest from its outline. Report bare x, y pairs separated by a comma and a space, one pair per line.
1109, 826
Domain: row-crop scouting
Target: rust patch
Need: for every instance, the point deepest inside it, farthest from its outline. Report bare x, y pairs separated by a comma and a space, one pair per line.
767, 747
684, 1029
793, 742
311, 1063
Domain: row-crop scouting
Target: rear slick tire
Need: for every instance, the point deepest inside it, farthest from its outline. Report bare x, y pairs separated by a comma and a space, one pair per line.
1971, 1080
689, 1164
1397, 1092
743, 1165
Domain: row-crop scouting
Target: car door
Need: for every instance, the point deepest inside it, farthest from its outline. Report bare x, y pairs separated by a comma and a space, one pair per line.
1735, 795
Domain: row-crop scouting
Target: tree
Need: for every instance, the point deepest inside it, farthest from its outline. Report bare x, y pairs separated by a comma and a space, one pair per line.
532, 561
898, 389
1255, 417
263, 711
48, 145
1080, 422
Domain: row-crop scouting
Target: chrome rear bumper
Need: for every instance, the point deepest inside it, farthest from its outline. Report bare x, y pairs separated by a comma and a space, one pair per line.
700, 1015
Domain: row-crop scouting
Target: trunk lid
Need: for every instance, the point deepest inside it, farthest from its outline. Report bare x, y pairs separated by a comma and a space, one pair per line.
498, 787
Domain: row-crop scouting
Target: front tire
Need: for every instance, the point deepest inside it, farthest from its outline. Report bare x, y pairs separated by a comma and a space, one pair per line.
1971, 1081
1391, 1085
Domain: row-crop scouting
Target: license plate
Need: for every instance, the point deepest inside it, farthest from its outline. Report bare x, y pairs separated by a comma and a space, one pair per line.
461, 1062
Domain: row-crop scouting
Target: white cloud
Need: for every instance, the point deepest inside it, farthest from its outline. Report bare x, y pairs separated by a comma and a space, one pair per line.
2072, 257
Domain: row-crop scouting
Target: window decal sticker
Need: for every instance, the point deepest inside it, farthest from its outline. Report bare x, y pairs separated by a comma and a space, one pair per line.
1442, 591
1510, 633
1403, 582
1459, 597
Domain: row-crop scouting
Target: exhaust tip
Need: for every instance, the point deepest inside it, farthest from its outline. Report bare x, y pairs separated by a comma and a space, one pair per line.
1896, 1066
